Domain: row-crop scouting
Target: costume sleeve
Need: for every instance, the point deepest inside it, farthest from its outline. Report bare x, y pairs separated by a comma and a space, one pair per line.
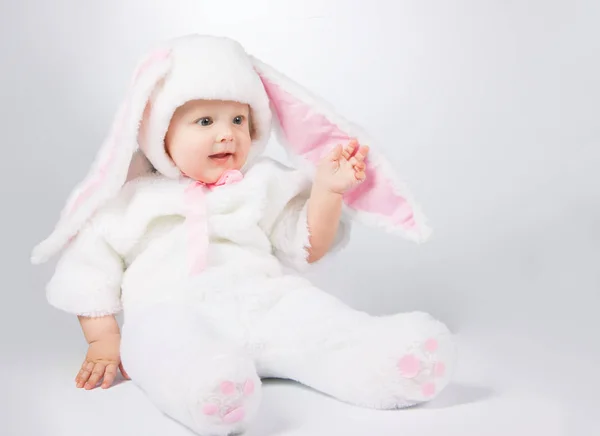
287, 220
87, 278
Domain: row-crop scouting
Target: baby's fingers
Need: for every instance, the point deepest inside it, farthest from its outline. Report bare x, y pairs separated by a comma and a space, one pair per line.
360, 166
362, 152
97, 374
84, 373
349, 149
109, 375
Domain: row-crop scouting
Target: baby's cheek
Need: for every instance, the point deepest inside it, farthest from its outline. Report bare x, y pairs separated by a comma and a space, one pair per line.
184, 159
190, 162
242, 154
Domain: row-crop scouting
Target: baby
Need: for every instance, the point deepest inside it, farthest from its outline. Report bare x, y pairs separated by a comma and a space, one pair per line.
201, 240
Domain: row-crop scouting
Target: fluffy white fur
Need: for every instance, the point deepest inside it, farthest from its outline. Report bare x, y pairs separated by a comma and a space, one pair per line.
134, 249
250, 314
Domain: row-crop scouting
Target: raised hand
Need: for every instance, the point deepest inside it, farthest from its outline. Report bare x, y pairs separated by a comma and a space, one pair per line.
343, 168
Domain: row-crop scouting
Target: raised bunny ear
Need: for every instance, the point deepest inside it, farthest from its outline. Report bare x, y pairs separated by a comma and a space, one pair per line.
308, 128
116, 161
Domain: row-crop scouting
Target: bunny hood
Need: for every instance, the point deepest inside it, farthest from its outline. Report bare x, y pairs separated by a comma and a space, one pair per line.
201, 68
211, 67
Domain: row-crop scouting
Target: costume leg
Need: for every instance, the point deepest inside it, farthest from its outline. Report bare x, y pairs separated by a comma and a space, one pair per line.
189, 371
381, 362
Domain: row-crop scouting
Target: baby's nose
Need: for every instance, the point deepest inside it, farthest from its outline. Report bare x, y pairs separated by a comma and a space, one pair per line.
225, 137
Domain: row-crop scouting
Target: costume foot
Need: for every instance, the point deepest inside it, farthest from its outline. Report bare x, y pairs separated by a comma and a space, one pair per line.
224, 397
228, 402
425, 368
412, 359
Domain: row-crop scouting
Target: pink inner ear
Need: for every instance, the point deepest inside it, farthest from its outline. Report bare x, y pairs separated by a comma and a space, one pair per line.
311, 135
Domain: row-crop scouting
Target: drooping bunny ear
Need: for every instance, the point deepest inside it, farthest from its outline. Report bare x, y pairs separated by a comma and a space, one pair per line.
115, 162
308, 128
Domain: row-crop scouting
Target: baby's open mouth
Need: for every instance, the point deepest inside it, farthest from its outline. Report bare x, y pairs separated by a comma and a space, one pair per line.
220, 155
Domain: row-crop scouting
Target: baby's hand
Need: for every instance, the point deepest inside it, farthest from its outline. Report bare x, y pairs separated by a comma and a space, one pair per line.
102, 360
341, 170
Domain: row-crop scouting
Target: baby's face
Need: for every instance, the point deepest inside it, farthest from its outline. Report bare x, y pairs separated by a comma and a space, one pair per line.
208, 137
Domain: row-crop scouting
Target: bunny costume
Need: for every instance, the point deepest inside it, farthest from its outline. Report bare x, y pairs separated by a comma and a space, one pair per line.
209, 277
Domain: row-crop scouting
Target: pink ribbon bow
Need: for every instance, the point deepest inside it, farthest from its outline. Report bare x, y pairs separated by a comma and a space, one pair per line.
197, 220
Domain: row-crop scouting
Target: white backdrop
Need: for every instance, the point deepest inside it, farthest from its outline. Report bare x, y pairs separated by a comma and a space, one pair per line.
488, 110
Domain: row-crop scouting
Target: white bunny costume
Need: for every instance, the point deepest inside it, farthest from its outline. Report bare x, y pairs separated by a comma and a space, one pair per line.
209, 277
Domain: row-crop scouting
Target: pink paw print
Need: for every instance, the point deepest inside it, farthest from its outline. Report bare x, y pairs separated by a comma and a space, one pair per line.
424, 370
227, 403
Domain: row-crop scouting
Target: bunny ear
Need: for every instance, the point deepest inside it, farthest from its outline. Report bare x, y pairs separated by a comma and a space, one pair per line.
308, 128
116, 161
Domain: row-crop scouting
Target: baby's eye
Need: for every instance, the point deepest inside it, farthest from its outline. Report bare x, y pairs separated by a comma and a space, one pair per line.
206, 121
239, 119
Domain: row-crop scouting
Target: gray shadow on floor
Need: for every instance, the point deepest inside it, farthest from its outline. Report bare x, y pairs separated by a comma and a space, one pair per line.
458, 394
272, 418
